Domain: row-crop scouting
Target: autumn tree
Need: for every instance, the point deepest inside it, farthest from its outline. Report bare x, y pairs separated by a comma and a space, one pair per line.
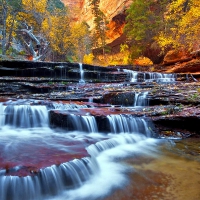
9, 11
57, 31
18, 16
143, 22
99, 35
80, 41
181, 25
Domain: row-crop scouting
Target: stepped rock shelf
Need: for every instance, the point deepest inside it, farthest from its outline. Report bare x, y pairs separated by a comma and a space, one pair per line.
62, 125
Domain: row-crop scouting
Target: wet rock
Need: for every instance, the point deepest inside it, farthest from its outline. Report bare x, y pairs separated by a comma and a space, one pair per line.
176, 56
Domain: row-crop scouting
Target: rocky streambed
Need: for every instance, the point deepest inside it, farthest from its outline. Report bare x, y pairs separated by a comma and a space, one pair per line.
63, 126
171, 101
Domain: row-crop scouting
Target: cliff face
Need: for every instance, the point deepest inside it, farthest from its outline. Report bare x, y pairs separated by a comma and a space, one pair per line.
114, 11
73, 3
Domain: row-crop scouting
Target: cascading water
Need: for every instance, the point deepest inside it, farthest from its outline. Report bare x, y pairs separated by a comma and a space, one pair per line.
150, 76
84, 123
63, 72
49, 181
30, 151
111, 174
26, 116
159, 77
141, 99
81, 73
132, 74
128, 124
2, 115
61, 106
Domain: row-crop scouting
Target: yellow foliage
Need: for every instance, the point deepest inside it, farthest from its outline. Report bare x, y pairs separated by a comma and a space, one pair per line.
124, 49
143, 61
35, 5
182, 25
80, 39
56, 30
9, 23
88, 58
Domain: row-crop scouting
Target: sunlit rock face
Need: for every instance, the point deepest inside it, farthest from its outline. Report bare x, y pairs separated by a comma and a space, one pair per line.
73, 3
114, 11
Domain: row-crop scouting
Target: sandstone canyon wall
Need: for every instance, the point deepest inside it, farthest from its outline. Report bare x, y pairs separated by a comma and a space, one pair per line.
114, 11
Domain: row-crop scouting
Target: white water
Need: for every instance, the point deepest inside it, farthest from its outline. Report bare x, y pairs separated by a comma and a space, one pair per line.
2, 116
133, 75
72, 180
63, 71
81, 73
61, 106
159, 77
141, 99
150, 76
84, 123
25, 139
111, 174
128, 124
26, 116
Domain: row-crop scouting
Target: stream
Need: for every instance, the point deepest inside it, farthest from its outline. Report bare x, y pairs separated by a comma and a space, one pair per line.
84, 146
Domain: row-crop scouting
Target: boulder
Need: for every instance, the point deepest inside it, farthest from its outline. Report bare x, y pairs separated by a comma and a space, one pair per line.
175, 56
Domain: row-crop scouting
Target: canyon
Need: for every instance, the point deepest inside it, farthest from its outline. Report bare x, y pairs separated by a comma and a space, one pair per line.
114, 12
63, 126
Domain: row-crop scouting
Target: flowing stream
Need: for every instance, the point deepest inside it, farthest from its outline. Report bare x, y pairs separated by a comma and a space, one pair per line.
82, 81
37, 162
150, 76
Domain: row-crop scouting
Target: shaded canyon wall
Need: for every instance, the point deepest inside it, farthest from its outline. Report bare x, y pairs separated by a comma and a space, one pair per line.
114, 11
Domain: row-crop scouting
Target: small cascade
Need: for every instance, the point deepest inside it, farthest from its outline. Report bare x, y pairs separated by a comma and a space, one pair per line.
128, 124
91, 100
159, 77
49, 181
150, 76
63, 71
61, 106
132, 74
120, 139
141, 99
2, 115
84, 123
79, 174
26, 116
81, 73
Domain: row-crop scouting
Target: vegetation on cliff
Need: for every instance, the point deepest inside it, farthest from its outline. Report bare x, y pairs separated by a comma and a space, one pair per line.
168, 24
41, 30
47, 30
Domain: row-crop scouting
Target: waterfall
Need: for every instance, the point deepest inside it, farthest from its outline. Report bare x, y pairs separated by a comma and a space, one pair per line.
61, 106
128, 124
63, 71
26, 116
141, 99
97, 148
168, 78
159, 77
49, 181
150, 76
79, 174
132, 74
84, 123
2, 115
81, 73
112, 173
65, 180
90, 100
